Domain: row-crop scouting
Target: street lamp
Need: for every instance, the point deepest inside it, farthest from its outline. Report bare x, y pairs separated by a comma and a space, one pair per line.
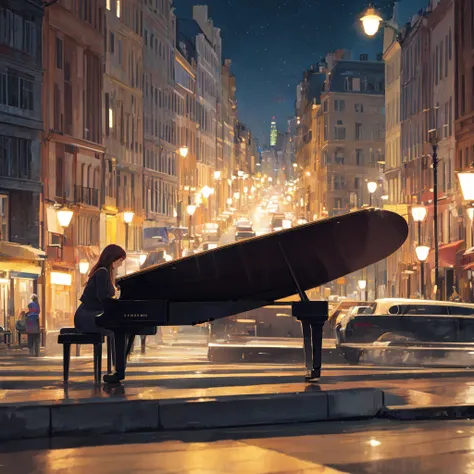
434, 163
372, 187
83, 267
419, 214
466, 180
183, 151
190, 209
217, 175
229, 201
127, 218
64, 216
422, 252
362, 286
206, 191
372, 21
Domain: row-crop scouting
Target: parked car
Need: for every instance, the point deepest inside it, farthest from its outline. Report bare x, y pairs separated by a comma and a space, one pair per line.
404, 320
244, 233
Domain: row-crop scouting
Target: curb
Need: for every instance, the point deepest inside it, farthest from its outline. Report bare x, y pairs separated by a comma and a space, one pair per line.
118, 417
415, 413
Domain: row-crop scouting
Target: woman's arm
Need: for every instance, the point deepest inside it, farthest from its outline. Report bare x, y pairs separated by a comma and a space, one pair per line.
103, 284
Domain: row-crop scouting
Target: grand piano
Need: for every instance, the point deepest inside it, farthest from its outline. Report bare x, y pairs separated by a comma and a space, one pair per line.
250, 274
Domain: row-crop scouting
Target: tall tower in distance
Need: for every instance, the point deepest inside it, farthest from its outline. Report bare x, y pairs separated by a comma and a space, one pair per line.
273, 132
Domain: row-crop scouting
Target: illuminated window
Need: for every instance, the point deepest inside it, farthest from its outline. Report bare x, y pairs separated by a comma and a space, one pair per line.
111, 118
118, 8
107, 3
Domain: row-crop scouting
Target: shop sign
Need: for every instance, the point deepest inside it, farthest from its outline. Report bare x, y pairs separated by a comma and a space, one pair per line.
59, 278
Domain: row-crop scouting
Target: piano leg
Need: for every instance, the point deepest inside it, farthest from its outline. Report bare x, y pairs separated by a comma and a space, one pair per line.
312, 315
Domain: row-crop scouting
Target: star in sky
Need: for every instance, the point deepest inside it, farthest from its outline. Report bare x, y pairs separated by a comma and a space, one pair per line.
271, 43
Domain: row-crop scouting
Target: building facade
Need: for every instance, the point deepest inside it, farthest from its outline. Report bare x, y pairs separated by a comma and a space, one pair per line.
162, 104
123, 214
72, 151
21, 125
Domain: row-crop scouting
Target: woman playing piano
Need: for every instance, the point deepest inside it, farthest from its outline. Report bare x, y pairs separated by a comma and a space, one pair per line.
99, 287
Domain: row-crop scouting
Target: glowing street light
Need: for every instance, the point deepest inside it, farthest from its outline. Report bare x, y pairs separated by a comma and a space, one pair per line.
422, 252
83, 267
191, 209
64, 216
183, 151
217, 175
371, 21
362, 284
128, 217
229, 201
466, 180
372, 187
206, 191
418, 213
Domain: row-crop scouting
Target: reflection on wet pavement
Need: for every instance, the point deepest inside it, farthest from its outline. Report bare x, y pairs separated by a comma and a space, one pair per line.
326, 448
27, 380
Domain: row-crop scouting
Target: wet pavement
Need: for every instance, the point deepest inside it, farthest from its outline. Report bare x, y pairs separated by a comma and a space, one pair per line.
324, 448
185, 374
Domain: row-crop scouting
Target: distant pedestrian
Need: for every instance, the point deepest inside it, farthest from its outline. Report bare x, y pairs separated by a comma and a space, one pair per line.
33, 325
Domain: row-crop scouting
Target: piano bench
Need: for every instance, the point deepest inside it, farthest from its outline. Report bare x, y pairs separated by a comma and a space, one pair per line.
68, 336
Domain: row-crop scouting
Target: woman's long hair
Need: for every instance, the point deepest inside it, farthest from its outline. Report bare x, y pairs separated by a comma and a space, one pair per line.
109, 255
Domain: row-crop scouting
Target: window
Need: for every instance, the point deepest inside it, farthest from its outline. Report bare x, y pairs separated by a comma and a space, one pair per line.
463, 95
3, 217
119, 47
339, 182
358, 131
107, 4
339, 133
359, 108
17, 32
337, 203
118, 9
339, 105
339, 156
359, 157
325, 106
112, 43
16, 91
59, 53
357, 182
15, 157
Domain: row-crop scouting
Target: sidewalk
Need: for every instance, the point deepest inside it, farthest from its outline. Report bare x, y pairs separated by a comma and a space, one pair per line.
179, 389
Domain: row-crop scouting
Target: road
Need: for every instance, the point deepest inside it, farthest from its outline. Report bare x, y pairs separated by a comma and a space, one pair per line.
319, 448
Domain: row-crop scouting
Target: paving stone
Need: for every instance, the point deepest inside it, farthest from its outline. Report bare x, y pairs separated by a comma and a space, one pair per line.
243, 411
18, 422
101, 418
363, 403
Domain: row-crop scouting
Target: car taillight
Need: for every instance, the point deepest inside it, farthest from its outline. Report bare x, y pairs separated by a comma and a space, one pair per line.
363, 325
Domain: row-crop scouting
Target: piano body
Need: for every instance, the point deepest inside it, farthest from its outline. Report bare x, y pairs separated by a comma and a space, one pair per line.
253, 273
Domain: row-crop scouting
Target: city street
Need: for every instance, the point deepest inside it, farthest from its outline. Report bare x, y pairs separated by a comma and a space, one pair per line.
368, 447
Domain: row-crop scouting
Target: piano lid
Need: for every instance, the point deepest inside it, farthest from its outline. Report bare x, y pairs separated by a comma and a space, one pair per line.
255, 269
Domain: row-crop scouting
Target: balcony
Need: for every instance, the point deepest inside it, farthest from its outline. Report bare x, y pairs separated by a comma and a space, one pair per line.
87, 196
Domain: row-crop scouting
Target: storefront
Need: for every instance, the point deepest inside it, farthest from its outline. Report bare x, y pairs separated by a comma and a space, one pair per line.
20, 268
61, 299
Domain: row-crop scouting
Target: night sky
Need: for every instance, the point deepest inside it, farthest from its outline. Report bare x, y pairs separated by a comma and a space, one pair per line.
271, 43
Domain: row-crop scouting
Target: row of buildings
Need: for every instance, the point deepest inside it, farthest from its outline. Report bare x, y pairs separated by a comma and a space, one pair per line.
381, 122
115, 117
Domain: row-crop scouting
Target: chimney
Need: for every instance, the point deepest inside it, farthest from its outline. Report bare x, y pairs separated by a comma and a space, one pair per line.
364, 57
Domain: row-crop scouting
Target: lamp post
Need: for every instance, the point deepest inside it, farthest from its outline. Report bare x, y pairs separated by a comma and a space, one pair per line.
217, 177
434, 160
371, 187
191, 209
362, 286
64, 215
127, 218
422, 252
419, 214
466, 181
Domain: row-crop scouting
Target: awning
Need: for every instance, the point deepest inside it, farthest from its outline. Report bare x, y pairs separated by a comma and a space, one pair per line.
469, 266
447, 254
14, 251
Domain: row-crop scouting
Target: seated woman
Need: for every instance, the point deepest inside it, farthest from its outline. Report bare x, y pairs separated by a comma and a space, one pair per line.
99, 287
